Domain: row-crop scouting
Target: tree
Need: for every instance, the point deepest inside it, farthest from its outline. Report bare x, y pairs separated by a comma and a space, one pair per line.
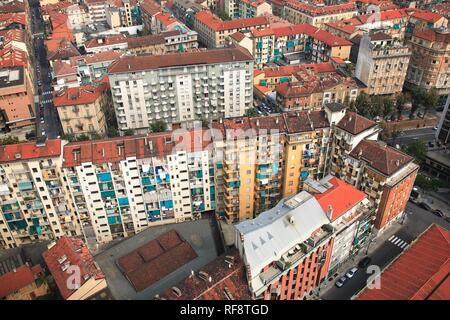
224, 16
418, 150
430, 100
9, 140
425, 183
388, 106
417, 99
362, 104
251, 112
83, 137
400, 105
128, 132
112, 132
377, 106
158, 126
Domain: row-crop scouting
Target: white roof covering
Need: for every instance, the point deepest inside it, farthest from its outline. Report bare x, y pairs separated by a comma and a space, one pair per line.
274, 232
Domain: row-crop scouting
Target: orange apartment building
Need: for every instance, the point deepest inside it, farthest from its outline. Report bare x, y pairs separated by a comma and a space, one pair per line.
287, 249
16, 97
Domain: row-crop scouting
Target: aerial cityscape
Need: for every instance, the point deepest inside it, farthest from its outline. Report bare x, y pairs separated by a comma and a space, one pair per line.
224, 150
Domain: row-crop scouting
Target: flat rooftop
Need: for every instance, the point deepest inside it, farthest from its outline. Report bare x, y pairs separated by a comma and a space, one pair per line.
200, 236
440, 156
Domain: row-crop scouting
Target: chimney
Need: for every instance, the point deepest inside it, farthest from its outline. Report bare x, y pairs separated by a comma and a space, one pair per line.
330, 211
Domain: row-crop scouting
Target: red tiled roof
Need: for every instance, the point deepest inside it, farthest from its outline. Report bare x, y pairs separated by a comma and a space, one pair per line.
14, 6
238, 36
433, 36
224, 277
14, 281
427, 16
302, 28
213, 22
380, 156
105, 41
302, 121
7, 19
262, 33
80, 95
77, 254
29, 150
354, 123
166, 18
341, 197
288, 70
320, 10
330, 39
158, 258
419, 273
150, 7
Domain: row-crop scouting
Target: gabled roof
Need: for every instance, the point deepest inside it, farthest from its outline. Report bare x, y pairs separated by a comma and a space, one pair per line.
87, 94
76, 254
380, 156
354, 123
15, 280
341, 197
419, 273
213, 22
427, 16
29, 150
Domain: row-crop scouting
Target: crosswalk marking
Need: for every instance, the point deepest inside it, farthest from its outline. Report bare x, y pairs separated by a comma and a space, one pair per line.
398, 242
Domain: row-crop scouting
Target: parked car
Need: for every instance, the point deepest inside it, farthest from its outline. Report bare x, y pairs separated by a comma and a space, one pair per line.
341, 281
438, 213
425, 206
430, 144
447, 219
351, 272
364, 262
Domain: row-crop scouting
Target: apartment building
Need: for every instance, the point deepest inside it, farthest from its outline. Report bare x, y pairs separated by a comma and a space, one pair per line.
422, 20
385, 174
69, 257
214, 32
34, 203
82, 70
310, 91
82, 109
382, 64
97, 10
351, 218
121, 186
16, 97
287, 249
296, 12
149, 10
78, 16
429, 66
241, 9
164, 42
106, 43
262, 159
181, 87
23, 283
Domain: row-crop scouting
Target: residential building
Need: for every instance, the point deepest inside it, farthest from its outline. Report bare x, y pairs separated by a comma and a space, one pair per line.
106, 43
34, 203
385, 174
419, 273
382, 64
310, 91
78, 16
23, 283
443, 130
214, 32
16, 97
82, 109
296, 12
422, 20
68, 257
351, 218
430, 63
165, 21
262, 159
181, 87
149, 10
132, 183
437, 164
164, 42
287, 249
241, 9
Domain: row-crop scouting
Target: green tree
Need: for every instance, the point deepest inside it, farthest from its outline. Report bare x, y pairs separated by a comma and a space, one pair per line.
388, 106
9, 140
223, 15
83, 137
417, 99
128, 132
362, 104
425, 183
400, 104
112, 132
418, 150
377, 106
158, 126
251, 112
430, 100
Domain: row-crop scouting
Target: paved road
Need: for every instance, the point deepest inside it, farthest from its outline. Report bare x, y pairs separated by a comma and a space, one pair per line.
47, 124
384, 252
406, 137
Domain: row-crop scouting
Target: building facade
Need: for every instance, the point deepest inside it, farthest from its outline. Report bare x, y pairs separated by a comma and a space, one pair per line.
181, 87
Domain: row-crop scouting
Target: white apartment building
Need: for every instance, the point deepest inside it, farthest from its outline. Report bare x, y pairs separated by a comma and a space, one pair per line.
34, 204
181, 87
78, 17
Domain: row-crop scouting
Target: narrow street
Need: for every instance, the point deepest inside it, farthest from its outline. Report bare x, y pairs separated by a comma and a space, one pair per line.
386, 248
47, 120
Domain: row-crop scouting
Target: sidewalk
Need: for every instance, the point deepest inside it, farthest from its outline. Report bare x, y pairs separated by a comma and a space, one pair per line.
352, 262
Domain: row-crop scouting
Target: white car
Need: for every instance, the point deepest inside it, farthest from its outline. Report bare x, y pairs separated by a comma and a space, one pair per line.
351, 272
341, 281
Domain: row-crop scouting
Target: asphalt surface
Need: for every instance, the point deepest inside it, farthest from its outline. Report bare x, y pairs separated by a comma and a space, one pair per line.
47, 121
416, 222
408, 136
